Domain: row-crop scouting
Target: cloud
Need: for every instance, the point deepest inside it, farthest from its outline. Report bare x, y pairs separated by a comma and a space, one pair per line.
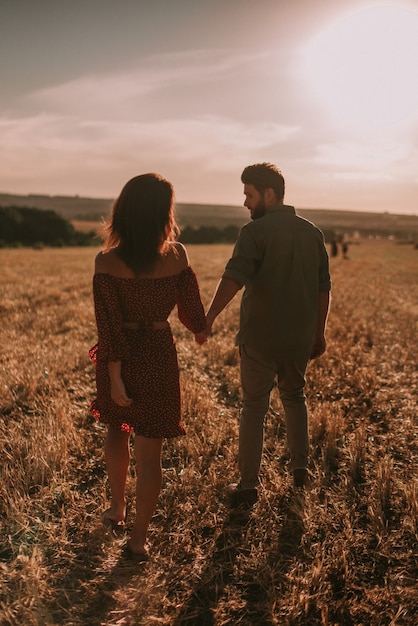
56, 154
133, 94
382, 159
198, 118
203, 157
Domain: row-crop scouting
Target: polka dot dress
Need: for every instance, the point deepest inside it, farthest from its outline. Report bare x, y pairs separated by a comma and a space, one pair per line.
149, 358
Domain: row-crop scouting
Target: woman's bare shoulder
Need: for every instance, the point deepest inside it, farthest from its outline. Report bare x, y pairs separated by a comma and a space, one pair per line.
173, 261
179, 255
107, 263
100, 262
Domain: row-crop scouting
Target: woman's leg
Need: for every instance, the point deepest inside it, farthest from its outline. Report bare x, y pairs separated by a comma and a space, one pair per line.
148, 487
117, 463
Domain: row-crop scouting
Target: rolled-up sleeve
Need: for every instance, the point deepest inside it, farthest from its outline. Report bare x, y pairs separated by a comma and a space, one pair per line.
247, 254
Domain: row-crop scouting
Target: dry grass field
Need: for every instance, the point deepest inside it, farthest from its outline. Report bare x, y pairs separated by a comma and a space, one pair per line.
343, 553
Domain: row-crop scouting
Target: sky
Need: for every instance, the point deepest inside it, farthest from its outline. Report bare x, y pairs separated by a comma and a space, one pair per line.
94, 92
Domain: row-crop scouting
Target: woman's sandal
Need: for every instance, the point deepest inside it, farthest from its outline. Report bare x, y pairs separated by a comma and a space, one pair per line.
116, 527
137, 557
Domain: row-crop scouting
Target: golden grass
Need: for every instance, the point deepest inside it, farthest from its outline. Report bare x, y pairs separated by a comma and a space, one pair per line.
345, 553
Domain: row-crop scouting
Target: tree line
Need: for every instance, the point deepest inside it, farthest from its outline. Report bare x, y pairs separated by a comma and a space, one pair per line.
26, 226
29, 226
209, 234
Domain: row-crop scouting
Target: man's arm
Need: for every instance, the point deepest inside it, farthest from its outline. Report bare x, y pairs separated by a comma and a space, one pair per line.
319, 344
225, 291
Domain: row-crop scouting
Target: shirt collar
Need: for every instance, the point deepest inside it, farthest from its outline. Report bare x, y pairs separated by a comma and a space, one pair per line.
283, 208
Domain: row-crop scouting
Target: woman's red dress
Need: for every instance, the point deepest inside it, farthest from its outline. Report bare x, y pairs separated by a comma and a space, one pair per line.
149, 358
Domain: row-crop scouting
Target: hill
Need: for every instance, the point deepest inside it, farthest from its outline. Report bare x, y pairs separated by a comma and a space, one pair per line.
197, 215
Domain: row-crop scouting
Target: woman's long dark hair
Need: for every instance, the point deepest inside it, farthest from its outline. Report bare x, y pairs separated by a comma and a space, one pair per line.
142, 222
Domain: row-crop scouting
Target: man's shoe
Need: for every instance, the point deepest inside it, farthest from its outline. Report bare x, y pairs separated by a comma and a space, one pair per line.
239, 496
300, 477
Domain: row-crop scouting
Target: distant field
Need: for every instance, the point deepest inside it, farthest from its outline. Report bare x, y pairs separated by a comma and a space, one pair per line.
340, 221
86, 226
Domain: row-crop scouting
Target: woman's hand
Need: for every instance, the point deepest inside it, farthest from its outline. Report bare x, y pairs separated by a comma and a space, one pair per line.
117, 387
118, 393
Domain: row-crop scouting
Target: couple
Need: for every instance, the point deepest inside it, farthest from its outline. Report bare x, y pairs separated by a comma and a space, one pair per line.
143, 273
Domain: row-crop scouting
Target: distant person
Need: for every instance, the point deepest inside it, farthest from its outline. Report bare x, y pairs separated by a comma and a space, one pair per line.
282, 262
344, 249
334, 248
139, 278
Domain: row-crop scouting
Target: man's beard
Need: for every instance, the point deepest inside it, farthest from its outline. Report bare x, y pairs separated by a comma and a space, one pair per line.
259, 211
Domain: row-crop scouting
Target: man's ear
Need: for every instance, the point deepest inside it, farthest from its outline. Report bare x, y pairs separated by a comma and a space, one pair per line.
270, 197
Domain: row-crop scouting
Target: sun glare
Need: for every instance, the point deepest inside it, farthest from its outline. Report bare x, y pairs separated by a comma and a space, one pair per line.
363, 68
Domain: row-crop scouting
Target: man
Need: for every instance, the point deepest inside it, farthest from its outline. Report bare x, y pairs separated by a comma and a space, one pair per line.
281, 260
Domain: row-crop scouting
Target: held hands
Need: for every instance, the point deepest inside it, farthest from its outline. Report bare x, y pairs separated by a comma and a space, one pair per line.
202, 337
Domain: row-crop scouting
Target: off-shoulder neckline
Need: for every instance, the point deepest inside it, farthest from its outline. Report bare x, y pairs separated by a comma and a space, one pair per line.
143, 278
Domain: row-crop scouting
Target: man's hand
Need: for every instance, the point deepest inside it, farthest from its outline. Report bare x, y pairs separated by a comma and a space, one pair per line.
318, 348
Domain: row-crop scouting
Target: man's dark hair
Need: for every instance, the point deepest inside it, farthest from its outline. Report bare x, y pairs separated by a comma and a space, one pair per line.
264, 176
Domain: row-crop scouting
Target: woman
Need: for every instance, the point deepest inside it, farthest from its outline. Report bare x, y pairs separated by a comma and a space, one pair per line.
139, 278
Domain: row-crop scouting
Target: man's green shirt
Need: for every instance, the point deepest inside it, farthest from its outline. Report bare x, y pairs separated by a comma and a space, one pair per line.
282, 261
